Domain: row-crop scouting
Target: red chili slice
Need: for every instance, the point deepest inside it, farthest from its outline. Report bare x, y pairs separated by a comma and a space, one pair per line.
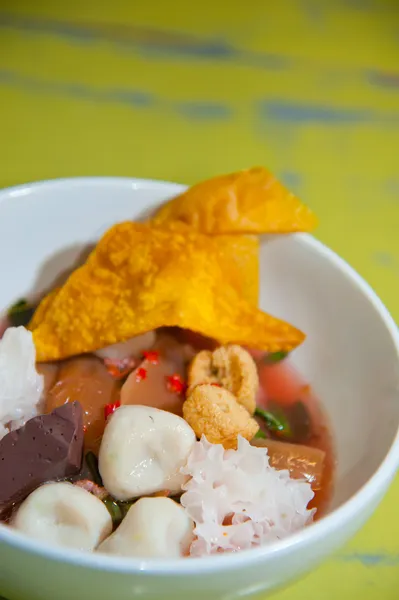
175, 384
141, 374
119, 369
109, 409
152, 356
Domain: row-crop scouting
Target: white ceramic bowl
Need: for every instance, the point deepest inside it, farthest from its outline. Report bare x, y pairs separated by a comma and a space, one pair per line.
350, 357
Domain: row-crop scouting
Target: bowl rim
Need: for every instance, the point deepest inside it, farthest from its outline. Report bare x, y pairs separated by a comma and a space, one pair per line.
369, 492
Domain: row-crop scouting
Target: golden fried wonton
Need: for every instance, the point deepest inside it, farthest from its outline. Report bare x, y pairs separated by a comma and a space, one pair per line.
250, 201
140, 278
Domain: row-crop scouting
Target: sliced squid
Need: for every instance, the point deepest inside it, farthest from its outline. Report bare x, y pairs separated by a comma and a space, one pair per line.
132, 348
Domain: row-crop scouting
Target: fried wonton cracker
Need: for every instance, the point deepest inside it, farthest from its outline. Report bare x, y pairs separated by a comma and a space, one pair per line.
41, 310
239, 260
239, 255
140, 278
250, 201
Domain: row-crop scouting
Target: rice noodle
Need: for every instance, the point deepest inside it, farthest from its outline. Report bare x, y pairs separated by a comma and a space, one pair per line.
238, 501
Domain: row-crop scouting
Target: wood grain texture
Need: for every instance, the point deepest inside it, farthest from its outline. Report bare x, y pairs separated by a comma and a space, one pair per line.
309, 88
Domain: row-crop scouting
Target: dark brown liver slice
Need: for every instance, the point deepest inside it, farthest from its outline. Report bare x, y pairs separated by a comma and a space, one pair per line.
47, 448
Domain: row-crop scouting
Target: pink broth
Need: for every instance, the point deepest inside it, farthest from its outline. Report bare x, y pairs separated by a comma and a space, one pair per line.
281, 388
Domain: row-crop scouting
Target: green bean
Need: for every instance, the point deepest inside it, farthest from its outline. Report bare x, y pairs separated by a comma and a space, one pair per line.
92, 463
20, 313
114, 510
275, 422
275, 357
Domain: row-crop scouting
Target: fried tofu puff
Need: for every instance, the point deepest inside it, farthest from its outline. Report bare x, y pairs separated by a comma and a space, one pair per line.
230, 366
214, 412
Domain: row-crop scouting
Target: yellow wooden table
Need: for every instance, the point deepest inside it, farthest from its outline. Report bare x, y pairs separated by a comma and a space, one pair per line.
183, 91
